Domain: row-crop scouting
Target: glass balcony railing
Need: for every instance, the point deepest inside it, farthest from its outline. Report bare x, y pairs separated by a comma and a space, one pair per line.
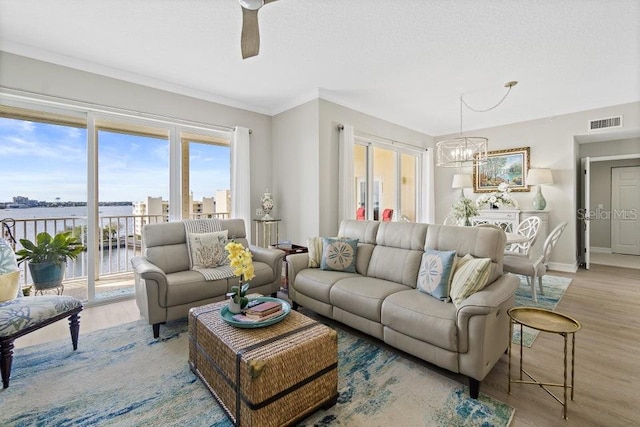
119, 240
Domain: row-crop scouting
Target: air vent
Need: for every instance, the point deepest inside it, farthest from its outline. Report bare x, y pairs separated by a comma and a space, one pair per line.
608, 123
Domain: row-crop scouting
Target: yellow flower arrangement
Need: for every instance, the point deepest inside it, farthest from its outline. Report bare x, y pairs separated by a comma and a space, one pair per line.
240, 259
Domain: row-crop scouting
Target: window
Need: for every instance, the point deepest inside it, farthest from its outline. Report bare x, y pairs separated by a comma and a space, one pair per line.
388, 176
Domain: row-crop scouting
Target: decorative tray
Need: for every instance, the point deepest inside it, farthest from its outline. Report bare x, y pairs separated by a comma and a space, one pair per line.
227, 316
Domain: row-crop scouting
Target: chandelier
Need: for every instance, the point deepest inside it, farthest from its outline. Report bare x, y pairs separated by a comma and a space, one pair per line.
466, 150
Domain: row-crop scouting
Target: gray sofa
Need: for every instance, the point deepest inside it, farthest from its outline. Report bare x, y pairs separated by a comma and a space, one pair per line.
165, 286
381, 298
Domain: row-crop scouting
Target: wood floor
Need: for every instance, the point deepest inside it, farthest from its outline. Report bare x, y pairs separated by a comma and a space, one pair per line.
606, 300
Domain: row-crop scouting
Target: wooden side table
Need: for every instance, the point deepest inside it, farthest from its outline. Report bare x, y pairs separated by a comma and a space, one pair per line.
545, 321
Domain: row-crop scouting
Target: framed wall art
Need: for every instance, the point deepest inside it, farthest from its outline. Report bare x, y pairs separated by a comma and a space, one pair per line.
509, 166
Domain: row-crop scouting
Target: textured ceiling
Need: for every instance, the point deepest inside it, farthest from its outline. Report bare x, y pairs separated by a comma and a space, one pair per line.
405, 61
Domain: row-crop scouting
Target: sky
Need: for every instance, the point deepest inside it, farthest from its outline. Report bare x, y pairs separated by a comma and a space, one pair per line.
44, 162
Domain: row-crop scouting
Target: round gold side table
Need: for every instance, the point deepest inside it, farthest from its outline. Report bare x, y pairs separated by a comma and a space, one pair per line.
545, 321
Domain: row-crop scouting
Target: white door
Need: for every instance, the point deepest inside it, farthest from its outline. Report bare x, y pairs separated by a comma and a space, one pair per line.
625, 208
585, 227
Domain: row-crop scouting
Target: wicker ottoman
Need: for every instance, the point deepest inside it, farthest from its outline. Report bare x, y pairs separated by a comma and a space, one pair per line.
269, 376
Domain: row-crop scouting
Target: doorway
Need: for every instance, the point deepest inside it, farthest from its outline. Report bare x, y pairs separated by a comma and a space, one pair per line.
612, 205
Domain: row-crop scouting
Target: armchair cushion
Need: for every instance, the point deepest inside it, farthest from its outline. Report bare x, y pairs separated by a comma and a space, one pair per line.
9, 285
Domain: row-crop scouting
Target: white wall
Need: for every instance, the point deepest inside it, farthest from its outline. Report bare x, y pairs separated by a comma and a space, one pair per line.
17, 72
296, 173
552, 143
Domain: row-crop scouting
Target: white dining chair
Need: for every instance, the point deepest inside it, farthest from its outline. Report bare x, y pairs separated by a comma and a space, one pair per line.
529, 228
534, 269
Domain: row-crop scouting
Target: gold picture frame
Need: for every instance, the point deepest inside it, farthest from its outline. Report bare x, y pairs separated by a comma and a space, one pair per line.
510, 166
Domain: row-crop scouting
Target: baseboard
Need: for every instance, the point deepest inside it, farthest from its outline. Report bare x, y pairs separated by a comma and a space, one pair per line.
560, 266
597, 250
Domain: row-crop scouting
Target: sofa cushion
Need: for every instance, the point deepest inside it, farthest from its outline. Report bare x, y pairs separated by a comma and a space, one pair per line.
422, 317
339, 254
470, 276
317, 284
363, 296
206, 250
436, 272
185, 287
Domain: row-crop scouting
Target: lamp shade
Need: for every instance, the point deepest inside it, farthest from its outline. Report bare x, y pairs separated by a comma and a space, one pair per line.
462, 181
539, 176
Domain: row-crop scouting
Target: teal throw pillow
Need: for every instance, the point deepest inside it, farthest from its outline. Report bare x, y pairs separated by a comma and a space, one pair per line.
339, 254
436, 272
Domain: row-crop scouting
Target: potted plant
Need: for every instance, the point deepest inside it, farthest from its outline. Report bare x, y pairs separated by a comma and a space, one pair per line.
242, 264
47, 257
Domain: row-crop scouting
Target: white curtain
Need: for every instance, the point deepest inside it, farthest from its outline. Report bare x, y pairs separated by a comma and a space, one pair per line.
427, 211
346, 193
240, 177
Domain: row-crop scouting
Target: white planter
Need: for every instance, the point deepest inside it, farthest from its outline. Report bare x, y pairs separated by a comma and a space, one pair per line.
234, 307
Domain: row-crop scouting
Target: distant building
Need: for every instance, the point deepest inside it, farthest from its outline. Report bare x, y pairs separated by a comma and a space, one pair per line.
158, 209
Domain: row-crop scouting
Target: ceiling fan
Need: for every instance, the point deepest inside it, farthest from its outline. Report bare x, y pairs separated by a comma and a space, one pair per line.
250, 39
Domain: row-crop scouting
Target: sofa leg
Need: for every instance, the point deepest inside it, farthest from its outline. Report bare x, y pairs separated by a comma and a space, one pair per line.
294, 305
474, 388
156, 330
6, 359
274, 295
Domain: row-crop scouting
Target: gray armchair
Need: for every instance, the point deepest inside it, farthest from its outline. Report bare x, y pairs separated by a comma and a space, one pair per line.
165, 286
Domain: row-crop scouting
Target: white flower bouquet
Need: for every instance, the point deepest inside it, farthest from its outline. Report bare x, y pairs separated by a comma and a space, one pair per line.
499, 199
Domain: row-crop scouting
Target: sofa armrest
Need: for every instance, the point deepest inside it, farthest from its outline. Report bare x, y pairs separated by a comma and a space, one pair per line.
272, 257
150, 289
295, 263
492, 300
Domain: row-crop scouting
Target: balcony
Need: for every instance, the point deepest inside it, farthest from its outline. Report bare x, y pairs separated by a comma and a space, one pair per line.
119, 241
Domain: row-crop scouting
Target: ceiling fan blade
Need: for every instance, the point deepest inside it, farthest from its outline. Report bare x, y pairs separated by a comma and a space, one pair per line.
250, 39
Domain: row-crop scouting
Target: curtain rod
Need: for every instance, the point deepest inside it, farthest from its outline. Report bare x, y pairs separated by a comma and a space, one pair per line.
383, 139
71, 103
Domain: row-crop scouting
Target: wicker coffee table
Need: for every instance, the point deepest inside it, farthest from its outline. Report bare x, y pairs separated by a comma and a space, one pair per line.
269, 376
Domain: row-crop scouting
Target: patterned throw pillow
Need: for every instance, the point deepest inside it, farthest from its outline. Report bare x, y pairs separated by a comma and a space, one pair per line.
469, 277
339, 254
436, 272
207, 249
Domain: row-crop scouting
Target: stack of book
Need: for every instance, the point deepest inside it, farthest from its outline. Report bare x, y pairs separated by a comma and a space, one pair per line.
260, 312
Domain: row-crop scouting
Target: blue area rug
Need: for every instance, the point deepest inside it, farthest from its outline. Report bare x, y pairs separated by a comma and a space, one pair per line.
121, 376
554, 288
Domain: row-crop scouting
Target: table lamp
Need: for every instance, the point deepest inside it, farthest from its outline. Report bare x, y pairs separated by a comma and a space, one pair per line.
462, 181
539, 177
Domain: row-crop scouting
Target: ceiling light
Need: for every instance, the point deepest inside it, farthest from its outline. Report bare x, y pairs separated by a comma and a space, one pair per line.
466, 150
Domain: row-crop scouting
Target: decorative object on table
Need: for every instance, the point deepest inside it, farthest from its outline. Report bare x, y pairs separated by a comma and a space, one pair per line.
47, 258
463, 208
241, 320
241, 262
539, 177
498, 199
508, 166
267, 203
466, 150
